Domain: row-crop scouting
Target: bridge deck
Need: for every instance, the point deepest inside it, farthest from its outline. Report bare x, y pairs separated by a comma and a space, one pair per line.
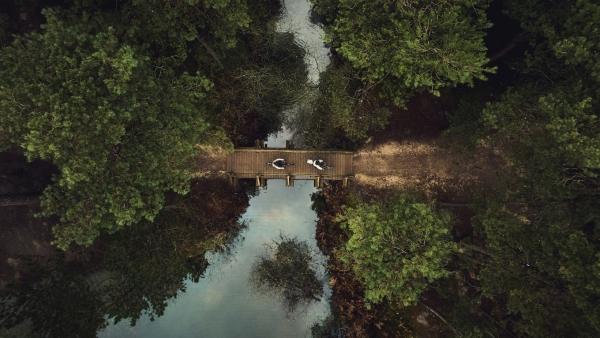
252, 162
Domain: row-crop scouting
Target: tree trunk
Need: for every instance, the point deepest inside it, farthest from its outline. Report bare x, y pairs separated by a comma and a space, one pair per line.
14, 201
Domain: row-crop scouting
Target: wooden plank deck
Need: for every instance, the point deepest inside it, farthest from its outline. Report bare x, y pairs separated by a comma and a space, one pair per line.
251, 162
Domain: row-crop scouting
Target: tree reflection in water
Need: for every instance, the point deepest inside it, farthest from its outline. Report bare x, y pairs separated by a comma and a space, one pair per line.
288, 270
52, 300
126, 275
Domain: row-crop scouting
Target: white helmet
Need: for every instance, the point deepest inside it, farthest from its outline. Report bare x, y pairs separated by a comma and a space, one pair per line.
309, 161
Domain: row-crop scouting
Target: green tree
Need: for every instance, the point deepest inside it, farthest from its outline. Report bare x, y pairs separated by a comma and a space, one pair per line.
263, 76
115, 95
409, 45
340, 113
396, 249
384, 53
539, 239
80, 97
257, 72
186, 33
551, 140
569, 28
527, 257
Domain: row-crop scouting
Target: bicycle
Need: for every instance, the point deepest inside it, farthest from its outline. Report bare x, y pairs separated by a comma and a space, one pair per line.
281, 165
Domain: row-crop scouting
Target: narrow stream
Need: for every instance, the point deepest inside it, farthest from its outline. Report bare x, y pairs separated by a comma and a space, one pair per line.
296, 19
225, 303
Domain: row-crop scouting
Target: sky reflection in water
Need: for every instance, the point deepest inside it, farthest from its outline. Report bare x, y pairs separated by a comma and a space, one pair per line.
224, 304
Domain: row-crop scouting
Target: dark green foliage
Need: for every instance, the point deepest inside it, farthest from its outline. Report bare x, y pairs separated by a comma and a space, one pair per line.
324, 11
528, 256
127, 275
396, 249
552, 141
558, 130
386, 52
539, 232
466, 125
263, 76
340, 113
530, 267
465, 314
257, 73
568, 28
409, 45
328, 328
289, 270
120, 135
56, 300
116, 95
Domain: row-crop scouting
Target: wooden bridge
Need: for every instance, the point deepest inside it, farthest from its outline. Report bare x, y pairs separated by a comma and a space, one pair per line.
246, 163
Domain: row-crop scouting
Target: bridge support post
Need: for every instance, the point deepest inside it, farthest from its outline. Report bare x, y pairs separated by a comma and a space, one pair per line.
258, 181
289, 181
318, 182
260, 144
233, 182
345, 182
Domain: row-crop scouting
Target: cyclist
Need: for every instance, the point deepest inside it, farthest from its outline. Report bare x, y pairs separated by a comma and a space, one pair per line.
319, 164
279, 163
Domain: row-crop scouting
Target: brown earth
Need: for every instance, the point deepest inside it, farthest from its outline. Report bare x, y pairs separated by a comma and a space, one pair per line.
210, 160
425, 165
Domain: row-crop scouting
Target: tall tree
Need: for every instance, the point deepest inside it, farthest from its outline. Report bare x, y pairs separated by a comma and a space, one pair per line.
405, 46
121, 135
115, 95
396, 248
340, 113
384, 53
540, 232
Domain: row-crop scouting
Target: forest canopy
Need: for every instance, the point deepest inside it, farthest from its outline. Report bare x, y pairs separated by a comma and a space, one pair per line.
518, 78
116, 96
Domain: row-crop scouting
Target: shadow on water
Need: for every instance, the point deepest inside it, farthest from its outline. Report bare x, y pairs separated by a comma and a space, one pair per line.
224, 302
130, 275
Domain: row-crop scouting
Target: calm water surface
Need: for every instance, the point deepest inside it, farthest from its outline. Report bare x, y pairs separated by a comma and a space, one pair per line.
296, 20
224, 303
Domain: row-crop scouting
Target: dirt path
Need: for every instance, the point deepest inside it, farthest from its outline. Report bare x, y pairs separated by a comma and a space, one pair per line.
211, 160
423, 165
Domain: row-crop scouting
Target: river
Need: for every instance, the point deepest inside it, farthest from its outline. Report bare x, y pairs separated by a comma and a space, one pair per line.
224, 303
